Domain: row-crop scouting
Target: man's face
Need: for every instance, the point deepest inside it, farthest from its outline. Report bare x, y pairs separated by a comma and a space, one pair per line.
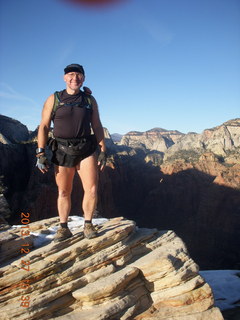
74, 80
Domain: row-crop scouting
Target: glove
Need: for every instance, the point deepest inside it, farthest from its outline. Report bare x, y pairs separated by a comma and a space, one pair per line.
42, 163
102, 159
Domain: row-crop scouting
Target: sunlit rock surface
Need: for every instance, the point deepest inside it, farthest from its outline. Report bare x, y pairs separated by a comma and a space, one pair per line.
125, 273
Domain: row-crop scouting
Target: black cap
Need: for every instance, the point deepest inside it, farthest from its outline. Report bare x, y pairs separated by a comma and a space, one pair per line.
74, 68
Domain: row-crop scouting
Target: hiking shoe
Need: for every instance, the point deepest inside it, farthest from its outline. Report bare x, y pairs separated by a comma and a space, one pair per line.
89, 231
62, 234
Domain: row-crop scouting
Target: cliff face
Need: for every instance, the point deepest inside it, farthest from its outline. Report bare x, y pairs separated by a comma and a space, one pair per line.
156, 139
124, 273
200, 200
12, 130
193, 190
203, 199
220, 140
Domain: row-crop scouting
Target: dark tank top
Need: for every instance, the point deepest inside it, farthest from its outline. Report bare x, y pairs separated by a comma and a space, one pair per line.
72, 120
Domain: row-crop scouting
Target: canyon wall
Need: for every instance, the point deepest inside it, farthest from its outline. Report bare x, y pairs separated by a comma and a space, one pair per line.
189, 183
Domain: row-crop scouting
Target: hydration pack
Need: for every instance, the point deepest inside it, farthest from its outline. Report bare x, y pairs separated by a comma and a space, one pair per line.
86, 96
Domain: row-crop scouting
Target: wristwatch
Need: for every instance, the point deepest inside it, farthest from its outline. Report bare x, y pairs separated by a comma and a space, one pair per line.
40, 150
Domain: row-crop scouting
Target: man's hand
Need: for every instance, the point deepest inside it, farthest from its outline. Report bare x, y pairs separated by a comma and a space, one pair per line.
42, 163
102, 160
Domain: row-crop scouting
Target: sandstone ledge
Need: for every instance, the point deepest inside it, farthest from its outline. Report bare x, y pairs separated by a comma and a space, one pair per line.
125, 273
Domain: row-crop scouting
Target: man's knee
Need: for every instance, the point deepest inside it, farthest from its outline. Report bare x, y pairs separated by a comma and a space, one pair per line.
63, 193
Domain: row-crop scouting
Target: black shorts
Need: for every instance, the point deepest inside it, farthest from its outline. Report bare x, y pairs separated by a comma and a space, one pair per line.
60, 158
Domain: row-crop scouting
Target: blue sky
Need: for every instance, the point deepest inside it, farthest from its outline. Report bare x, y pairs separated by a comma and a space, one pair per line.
173, 64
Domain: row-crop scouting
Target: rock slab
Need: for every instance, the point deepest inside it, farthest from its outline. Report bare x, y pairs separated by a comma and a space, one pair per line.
125, 273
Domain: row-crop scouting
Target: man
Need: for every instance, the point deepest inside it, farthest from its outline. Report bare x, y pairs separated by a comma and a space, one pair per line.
74, 114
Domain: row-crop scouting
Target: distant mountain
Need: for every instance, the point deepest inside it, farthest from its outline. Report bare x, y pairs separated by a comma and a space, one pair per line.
12, 131
155, 139
116, 137
221, 140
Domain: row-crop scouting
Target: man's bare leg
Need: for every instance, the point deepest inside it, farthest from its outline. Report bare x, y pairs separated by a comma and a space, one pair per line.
88, 173
64, 180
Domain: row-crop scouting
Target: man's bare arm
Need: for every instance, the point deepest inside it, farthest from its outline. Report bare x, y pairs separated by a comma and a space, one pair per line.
45, 122
97, 126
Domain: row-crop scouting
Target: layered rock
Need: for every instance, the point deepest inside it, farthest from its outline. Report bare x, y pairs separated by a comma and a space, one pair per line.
124, 273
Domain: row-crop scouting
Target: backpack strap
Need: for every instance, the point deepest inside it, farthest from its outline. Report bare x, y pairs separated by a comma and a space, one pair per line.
88, 100
88, 97
55, 104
